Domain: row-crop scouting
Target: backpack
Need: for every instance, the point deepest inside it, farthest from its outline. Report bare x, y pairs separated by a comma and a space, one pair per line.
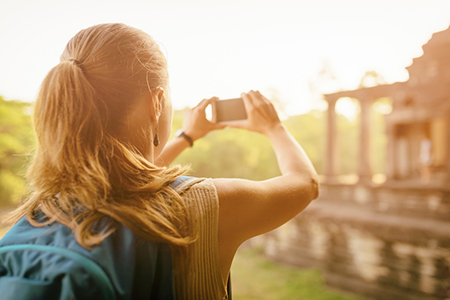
47, 263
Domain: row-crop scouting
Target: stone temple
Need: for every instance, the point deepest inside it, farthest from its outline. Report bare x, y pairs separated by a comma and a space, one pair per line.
386, 240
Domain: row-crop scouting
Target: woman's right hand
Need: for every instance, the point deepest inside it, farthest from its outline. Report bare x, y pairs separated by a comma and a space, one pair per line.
261, 114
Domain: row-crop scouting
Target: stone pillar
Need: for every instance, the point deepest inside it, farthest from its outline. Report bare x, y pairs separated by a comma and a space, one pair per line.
447, 152
364, 171
391, 152
331, 162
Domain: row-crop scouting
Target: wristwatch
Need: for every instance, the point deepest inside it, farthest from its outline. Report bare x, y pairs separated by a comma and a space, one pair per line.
180, 133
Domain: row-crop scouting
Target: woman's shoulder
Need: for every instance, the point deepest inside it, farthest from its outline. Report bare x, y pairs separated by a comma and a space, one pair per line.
186, 184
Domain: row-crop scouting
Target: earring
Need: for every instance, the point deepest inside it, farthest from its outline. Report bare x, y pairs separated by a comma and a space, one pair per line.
156, 138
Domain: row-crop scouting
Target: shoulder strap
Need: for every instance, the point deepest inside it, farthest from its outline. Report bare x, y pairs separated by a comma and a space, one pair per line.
183, 183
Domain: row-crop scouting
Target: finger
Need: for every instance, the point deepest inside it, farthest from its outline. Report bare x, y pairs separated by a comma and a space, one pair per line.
261, 96
201, 103
218, 125
205, 102
255, 100
242, 124
248, 103
251, 94
261, 99
265, 99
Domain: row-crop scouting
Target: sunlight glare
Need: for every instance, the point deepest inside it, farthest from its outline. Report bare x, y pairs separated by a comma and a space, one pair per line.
347, 107
209, 112
383, 106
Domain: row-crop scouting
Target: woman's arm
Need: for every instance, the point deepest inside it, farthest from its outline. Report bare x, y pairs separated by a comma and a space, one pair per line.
195, 125
249, 208
172, 149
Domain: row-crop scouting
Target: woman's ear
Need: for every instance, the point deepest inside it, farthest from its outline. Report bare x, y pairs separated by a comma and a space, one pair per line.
159, 100
155, 104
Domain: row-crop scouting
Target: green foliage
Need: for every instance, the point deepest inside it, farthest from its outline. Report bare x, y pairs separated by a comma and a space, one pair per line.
371, 78
348, 144
3, 231
16, 140
310, 131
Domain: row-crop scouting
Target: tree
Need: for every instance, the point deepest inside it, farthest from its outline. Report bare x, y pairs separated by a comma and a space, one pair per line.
371, 78
16, 142
324, 82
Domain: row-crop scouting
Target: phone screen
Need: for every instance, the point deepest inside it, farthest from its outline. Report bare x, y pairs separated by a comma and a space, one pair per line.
229, 110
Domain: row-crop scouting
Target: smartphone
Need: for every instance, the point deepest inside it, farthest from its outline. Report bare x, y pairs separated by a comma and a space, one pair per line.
228, 110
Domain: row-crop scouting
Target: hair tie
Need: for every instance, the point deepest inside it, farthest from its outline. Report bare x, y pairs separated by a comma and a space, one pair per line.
77, 62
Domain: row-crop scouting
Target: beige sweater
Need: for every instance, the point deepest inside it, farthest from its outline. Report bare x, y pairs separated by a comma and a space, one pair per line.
197, 276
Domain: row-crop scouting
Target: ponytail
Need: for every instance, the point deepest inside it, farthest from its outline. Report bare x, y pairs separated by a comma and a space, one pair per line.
70, 131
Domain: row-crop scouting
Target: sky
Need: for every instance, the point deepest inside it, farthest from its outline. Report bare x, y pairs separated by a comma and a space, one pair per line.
223, 48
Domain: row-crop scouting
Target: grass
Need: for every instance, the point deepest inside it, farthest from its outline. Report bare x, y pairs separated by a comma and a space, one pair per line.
254, 277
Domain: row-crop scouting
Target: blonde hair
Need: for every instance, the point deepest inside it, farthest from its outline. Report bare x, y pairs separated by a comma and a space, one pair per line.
84, 169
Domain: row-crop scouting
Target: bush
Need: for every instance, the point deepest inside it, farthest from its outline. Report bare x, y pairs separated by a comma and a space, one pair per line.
16, 142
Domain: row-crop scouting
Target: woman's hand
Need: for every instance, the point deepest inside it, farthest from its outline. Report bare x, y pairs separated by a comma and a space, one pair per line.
261, 114
195, 124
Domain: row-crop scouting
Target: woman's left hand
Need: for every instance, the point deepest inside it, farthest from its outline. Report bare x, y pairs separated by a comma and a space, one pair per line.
195, 123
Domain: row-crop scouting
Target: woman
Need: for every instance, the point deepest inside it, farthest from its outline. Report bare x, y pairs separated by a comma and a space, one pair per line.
102, 120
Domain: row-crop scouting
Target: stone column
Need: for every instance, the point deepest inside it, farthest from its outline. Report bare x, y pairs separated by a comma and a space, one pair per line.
331, 162
364, 171
391, 152
447, 152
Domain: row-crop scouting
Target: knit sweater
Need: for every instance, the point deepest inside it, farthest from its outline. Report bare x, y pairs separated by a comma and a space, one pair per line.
197, 273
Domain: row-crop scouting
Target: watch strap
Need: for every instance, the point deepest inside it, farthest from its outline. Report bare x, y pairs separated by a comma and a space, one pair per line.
187, 138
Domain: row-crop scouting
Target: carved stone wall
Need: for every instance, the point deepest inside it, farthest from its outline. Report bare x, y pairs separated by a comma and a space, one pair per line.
384, 243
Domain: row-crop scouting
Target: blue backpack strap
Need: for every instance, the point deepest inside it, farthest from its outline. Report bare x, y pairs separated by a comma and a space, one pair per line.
183, 183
